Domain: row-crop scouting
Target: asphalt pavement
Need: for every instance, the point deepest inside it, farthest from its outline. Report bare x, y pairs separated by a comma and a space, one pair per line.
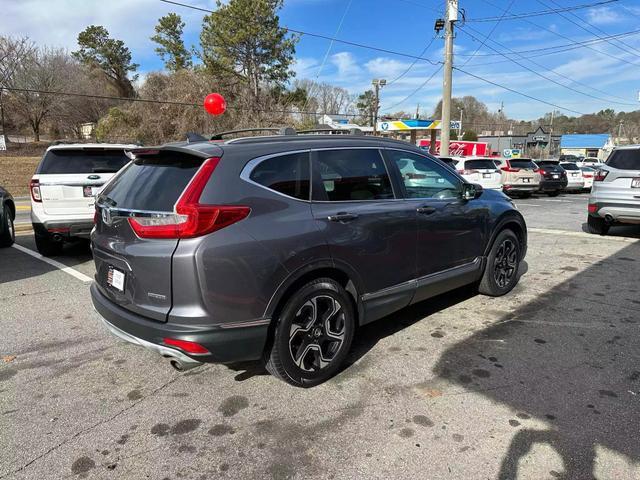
541, 383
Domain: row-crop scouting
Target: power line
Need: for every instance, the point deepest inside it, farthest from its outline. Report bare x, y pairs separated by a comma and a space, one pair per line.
512, 90
588, 30
493, 29
412, 64
546, 77
325, 37
163, 102
416, 90
556, 48
552, 11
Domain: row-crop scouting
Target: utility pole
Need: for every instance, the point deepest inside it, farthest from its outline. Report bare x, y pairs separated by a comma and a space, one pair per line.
4, 133
447, 78
460, 126
553, 114
377, 85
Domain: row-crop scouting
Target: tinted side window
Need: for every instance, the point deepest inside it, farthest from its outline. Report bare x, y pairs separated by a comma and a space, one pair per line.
423, 178
286, 174
351, 175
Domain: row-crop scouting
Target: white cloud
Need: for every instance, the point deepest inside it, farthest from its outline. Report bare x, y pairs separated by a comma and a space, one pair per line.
604, 15
56, 23
306, 67
346, 64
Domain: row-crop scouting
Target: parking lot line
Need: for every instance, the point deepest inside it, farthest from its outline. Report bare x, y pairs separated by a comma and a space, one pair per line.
61, 266
587, 236
528, 205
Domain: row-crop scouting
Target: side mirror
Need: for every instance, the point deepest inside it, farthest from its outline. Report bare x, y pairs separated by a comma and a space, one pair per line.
471, 191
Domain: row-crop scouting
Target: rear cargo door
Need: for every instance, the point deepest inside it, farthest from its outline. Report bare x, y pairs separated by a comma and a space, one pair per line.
70, 178
131, 271
622, 183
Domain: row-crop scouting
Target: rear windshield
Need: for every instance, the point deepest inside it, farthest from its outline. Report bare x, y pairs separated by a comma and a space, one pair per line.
82, 161
151, 183
625, 159
480, 165
522, 164
550, 166
570, 166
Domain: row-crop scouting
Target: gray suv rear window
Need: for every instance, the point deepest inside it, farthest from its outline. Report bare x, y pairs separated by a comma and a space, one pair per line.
352, 175
151, 183
286, 174
82, 161
625, 159
479, 164
522, 164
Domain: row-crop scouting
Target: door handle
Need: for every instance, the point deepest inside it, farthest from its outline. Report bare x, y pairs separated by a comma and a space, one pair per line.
342, 217
426, 210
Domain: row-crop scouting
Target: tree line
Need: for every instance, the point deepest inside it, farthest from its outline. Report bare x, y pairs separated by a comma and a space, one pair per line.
243, 53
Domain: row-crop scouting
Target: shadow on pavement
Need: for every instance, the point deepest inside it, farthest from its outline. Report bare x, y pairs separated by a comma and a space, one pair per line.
571, 358
16, 265
631, 231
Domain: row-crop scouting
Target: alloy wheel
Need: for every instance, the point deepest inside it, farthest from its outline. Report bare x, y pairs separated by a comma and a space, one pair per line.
505, 263
317, 333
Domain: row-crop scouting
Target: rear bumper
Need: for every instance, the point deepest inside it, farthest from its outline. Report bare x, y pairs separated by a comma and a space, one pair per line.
574, 186
64, 228
552, 185
620, 212
533, 187
226, 345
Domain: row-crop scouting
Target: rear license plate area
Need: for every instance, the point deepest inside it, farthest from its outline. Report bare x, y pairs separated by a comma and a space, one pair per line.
635, 183
526, 180
90, 191
486, 175
116, 278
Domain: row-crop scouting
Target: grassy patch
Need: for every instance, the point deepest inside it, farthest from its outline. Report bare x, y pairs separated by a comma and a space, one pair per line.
15, 173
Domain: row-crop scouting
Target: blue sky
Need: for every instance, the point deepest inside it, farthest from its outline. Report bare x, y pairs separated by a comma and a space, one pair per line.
405, 26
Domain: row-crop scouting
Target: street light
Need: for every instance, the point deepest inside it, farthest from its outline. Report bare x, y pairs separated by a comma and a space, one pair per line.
377, 85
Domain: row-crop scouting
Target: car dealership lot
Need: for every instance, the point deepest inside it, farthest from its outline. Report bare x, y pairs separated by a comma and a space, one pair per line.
542, 383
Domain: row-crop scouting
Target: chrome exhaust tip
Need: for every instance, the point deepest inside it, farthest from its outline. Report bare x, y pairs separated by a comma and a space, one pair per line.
181, 366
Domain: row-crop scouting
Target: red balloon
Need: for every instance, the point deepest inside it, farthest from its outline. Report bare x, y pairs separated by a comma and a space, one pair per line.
215, 104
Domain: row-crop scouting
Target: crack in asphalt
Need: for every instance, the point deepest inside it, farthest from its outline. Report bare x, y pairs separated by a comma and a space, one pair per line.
88, 429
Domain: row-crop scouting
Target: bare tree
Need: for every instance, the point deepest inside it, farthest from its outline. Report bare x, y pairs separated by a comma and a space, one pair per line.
40, 70
12, 50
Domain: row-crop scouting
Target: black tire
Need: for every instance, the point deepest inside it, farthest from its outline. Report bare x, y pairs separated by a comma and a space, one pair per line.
501, 272
47, 247
553, 194
300, 341
8, 235
597, 225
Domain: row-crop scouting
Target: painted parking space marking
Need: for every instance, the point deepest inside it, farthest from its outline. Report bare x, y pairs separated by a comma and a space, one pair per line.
60, 266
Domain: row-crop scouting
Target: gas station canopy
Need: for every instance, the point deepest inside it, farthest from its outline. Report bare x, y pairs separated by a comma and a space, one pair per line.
406, 125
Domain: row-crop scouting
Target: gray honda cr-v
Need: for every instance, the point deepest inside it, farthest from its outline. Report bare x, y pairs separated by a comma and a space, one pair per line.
279, 247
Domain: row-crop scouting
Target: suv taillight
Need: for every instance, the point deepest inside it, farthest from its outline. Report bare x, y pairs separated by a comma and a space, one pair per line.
509, 168
600, 175
191, 218
34, 187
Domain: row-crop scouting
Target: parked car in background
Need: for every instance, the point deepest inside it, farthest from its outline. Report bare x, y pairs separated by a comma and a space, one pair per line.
450, 162
575, 182
553, 178
7, 217
225, 252
569, 158
63, 190
519, 176
589, 162
588, 174
615, 195
480, 170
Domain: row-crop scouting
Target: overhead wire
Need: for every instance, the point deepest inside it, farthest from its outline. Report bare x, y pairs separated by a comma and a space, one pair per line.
551, 11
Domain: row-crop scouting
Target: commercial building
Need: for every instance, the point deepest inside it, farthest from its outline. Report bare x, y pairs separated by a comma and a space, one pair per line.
535, 141
340, 122
587, 145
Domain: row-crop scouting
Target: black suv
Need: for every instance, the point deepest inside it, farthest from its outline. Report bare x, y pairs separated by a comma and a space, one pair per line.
279, 247
553, 178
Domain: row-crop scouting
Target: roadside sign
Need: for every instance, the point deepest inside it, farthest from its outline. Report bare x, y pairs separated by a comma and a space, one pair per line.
3, 144
399, 125
511, 153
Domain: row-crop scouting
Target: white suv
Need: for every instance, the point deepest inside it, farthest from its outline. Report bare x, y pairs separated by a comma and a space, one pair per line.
63, 190
480, 170
615, 195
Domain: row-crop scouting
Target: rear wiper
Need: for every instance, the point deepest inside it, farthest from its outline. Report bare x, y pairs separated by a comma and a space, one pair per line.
103, 199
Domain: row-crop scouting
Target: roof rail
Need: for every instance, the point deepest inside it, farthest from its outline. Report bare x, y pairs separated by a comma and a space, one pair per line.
280, 130
351, 131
